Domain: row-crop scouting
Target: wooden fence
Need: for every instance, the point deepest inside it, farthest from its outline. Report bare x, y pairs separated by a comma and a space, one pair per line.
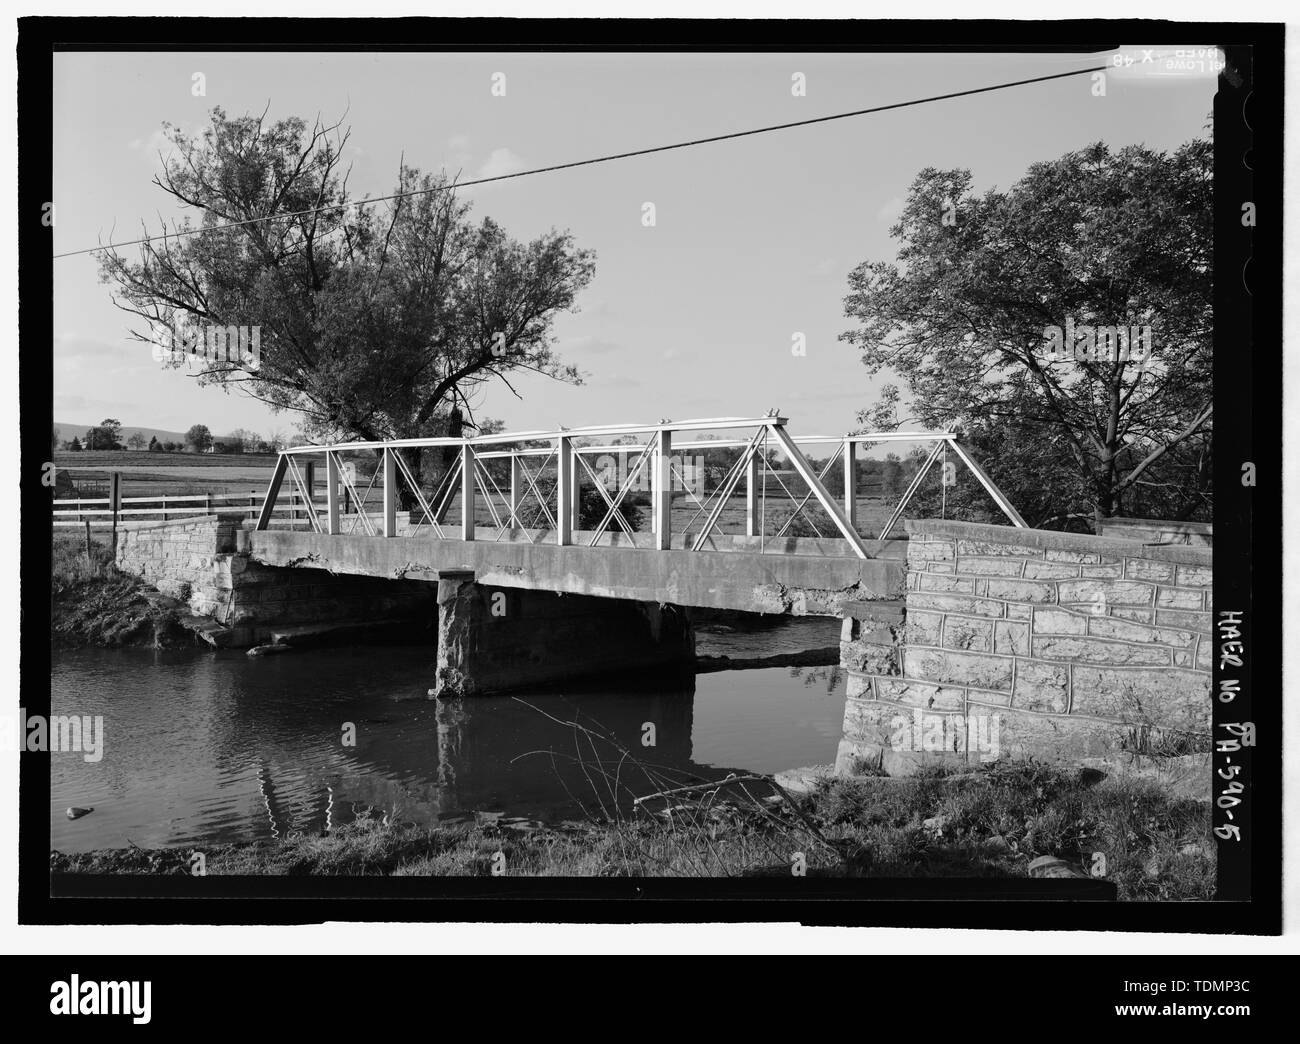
77, 511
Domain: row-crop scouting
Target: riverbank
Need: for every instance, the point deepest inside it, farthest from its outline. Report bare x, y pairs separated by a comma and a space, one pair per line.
92, 604
993, 822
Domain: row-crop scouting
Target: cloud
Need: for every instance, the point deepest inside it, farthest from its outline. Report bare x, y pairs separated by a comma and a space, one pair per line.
501, 161
151, 147
462, 159
75, 353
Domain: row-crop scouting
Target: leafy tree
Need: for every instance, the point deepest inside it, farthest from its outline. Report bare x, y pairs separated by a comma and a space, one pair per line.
893, 476
136, 441
199, 438
248, 441
54, 441
104, 436
75, 445
1095, 238
154, 446
375, 321
592, 510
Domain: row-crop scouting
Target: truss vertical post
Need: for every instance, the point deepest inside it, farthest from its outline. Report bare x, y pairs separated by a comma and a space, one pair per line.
564, 495
753, 495
467, 483
661, 491
390, 491
851, 482
331, 493
649, 479
516, 490
575, 492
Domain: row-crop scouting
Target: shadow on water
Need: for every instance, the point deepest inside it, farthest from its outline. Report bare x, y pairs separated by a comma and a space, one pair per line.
210, 747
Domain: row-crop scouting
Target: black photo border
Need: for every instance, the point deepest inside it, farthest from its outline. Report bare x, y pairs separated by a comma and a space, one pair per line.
1248, 165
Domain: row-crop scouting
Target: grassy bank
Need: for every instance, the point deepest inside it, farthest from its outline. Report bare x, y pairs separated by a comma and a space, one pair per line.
989, 823
94, 604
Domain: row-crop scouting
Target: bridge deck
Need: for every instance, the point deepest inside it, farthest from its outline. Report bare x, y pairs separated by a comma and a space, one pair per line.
798, 576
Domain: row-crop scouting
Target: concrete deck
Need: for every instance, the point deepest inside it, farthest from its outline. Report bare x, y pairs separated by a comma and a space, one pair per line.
796, 576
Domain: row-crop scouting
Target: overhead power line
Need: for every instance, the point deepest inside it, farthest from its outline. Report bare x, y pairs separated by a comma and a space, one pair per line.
596, 159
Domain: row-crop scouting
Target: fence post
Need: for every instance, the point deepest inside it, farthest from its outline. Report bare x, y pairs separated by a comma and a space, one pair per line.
115, 506
753, 494
661, 491
390, 492
564, 492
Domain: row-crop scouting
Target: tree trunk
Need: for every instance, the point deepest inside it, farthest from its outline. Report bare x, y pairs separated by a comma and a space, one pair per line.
405, 495
1105, 504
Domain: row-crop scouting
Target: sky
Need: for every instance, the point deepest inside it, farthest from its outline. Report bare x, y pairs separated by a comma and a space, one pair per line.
694, 317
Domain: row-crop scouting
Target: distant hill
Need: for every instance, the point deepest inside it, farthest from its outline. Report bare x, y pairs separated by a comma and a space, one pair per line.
66, 431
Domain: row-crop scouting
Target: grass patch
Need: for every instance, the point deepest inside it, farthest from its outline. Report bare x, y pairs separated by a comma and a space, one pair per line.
93, 603
989, 823
995, 821
70, 565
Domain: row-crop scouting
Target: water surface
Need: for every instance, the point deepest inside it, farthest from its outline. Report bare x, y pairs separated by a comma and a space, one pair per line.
203, 747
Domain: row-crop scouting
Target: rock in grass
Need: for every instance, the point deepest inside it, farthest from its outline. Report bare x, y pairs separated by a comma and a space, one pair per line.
77, 813
1051, 866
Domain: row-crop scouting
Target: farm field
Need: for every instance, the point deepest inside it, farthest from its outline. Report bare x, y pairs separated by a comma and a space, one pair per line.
175, 474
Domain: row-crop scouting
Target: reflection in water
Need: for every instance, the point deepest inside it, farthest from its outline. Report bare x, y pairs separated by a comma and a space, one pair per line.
203, 747
828, 677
